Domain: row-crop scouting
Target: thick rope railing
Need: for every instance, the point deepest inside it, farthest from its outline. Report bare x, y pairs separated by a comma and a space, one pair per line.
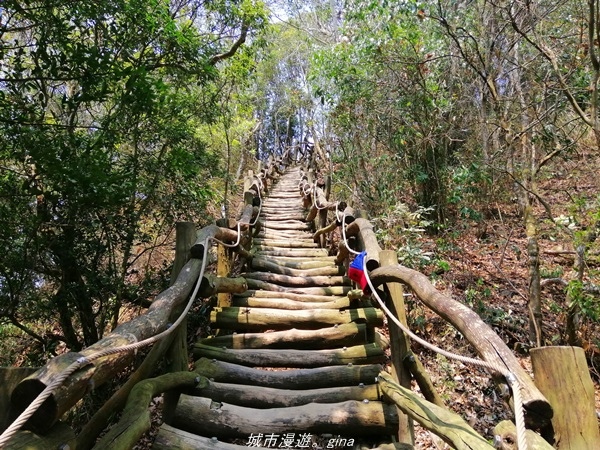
20, 421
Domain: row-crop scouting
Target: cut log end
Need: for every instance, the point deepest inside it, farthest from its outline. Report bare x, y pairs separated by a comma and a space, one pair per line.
23, 395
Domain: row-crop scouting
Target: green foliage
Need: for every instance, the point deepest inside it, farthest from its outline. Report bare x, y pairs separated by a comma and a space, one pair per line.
587, 303
100, 103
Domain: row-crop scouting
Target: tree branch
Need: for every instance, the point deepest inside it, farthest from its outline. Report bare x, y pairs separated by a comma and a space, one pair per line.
234, 48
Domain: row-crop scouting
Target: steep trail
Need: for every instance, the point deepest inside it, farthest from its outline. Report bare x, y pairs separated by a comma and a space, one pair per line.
295, 360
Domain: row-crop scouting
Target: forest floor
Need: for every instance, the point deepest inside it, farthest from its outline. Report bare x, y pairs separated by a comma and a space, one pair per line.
486, 267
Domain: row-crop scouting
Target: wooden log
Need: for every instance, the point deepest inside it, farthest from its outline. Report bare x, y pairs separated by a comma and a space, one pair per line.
349, 375
284, 205
223, 269
284, 225
306, 281
176, 357
266, 244
321, 204
357, 354
284, 303
135, 420
169, 438
185, 235
343, 254
348, 215
563, 376
324, 230
443, 422
263, 285
275, 267
363, 229
414, 365
247, 217
277, 205
60, 436
282, 234
347, 334
282, 216
306, 252
212, 232
301, 263
9, 378
285, 194
212, 285
400, 347
326, 290
315, 291
505, 438
485, 341
203, 416
290, 295
256, 319
266, 397
153, 322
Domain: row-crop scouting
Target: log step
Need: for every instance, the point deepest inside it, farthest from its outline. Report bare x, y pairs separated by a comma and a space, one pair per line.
357, 354
348, 334
169, 438
291, 296
265, 244
300, 262
284, 225
259, 319
331, 290
300, 268
284, 303
274, 251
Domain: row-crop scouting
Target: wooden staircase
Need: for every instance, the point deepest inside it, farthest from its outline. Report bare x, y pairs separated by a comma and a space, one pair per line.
295, 360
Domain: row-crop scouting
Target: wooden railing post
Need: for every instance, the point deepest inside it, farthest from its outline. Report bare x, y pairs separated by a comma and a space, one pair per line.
400, 345
177, 354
